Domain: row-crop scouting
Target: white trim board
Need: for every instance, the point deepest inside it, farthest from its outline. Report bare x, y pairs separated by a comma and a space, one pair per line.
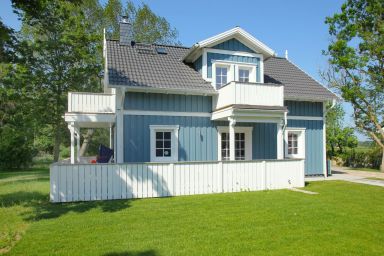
165, 113
310, 118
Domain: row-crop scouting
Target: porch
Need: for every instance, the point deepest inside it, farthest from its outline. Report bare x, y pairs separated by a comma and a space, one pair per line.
89, 110
89, 182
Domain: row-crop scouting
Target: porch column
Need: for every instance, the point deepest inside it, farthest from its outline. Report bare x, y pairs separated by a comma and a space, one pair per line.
280, 141
111, 136
120, 95
72, 131
77, 131
232, 123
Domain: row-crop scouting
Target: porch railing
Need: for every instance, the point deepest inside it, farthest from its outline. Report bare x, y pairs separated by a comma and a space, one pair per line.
91, 102
250, 94
87, 182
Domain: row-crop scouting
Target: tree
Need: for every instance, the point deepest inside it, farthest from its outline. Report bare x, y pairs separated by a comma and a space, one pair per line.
61, 50
338, 137
147, 27
356, 57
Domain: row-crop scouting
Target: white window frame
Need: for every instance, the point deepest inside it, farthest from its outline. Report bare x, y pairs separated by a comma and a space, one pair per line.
230, 71
238, 129
174, 129
300, 143
252, 71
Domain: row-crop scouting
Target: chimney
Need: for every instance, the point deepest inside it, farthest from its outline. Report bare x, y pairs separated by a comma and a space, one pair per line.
125, 31
286, 54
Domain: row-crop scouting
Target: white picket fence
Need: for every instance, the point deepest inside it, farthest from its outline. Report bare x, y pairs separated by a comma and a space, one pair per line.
88, 182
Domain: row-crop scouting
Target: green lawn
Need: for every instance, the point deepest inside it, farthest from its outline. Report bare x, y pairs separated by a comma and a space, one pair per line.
343, 219
363, 169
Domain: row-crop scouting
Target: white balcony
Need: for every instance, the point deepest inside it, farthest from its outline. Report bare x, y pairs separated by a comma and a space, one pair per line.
79, 102
237, 93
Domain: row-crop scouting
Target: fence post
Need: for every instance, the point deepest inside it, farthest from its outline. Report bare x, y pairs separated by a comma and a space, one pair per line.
221, 172
265, 174
172, 167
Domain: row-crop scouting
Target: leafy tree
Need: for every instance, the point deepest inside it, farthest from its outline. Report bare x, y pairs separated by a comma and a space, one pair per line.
338, 137
356, 57
147, 27
60, 50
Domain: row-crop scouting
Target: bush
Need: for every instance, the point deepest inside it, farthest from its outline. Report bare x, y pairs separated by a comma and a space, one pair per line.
16, 149
369, 158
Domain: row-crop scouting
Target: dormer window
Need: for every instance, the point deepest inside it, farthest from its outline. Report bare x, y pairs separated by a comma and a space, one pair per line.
243, 75
221, 76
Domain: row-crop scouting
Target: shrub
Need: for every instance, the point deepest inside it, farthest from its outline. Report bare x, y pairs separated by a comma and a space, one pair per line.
369, 158
16, 149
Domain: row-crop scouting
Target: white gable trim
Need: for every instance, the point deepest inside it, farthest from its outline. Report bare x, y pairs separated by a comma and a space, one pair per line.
237, 33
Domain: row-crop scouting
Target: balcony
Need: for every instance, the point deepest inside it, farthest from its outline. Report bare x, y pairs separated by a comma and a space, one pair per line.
79, 102
237, 93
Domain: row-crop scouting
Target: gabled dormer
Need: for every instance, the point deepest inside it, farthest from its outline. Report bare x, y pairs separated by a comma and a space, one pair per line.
234, 55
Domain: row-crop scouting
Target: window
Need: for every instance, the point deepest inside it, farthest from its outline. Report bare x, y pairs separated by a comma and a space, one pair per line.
239, 146
292, 143
164, 143
244, 75
243, 143
295, 142
221, 76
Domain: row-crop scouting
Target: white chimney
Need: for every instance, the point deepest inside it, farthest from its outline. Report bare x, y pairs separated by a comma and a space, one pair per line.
286, 54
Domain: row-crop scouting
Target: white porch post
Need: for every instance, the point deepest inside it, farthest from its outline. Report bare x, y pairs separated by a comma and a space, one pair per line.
72, 130
280, 141
110, 136
120, 125
77, 130
232, 123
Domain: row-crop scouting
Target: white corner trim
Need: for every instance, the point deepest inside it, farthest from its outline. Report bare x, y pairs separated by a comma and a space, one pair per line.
309, 118
165, 113
174, 129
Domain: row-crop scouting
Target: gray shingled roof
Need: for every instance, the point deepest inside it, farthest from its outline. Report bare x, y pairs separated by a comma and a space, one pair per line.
129, 66
297, 84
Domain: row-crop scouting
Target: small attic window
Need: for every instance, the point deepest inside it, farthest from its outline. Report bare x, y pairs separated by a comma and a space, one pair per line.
161, 50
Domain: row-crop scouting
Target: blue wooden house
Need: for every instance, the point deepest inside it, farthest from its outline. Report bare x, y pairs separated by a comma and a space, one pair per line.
226, 98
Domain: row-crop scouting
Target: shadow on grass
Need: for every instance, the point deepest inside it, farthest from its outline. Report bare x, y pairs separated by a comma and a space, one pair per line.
41, 208
144, 253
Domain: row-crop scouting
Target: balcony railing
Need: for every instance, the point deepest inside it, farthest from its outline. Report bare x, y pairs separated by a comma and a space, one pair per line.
250, 94
91, 102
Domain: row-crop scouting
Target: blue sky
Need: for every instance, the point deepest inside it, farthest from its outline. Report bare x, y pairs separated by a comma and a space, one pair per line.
295, 25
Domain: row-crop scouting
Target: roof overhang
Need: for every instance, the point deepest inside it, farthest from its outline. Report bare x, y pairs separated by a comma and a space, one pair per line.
90, 120
164, 90
251, 114
237, 33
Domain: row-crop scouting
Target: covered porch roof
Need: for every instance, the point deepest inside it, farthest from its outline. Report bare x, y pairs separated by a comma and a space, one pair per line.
251, 113
90, 120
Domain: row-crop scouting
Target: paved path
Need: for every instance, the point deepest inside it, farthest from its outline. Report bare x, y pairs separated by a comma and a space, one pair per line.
341, 173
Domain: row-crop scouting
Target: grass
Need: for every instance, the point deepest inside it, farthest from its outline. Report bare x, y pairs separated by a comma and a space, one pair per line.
343, 219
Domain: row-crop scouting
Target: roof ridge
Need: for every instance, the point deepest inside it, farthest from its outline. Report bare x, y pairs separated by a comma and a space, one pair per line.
155, 44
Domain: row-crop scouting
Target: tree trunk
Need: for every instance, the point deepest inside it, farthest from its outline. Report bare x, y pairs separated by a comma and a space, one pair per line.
56, 147
382, 161
87, 140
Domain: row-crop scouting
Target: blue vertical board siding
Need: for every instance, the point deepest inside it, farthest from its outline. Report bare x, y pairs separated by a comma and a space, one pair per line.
198, 140
197, 137
233, 45
198, 64
235, 58
264, 141
304, 108
313, 144
167, 102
